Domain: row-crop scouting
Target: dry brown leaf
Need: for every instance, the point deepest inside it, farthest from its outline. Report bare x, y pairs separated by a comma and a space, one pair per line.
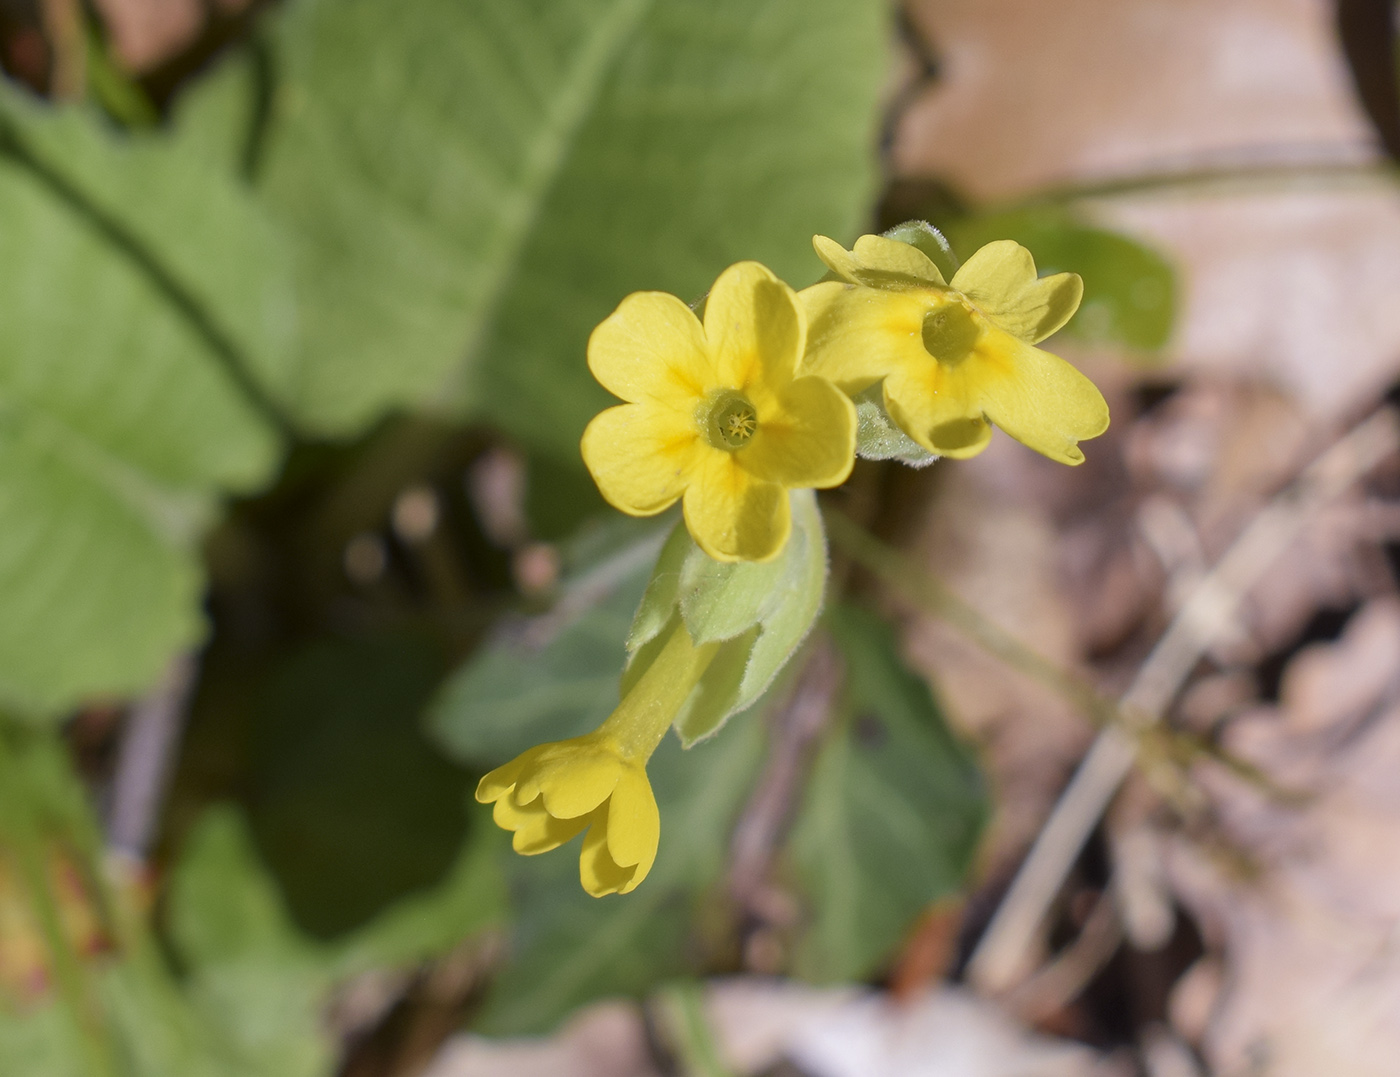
1032, 94
1294, 287
855, 1033
608, 1039
1311, 941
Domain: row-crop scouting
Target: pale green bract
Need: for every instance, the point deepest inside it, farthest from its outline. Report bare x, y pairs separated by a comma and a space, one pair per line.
760, 612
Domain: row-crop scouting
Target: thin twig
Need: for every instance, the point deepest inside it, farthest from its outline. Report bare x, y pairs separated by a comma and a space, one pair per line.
67, 36
1220, 176
1208, 612
148, 748
1060, 982
911, 581
906, 577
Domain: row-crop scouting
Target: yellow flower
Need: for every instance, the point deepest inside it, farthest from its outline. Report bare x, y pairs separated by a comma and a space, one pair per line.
598, 782
955, 356
555, 791
717, 413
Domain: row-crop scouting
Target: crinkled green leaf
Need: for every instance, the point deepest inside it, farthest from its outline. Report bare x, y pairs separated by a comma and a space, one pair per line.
892, 813
258, 985
123, 417
1129, 289
472, 187
425, 925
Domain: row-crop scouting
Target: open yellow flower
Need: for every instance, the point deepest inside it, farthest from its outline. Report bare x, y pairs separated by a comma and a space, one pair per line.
955, 356
717, 414
598, 782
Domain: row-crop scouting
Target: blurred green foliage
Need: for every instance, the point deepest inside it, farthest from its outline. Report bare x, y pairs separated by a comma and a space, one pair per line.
349, 803
892, 812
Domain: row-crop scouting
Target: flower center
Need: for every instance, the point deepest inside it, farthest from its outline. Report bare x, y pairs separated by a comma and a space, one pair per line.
950, 332
731, 421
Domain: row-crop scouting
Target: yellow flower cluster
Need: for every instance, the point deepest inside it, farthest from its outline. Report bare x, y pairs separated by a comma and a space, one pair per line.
728, 413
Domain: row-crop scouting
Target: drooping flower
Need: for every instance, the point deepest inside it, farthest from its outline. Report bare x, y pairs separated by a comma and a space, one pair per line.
598, 782
717, 414
555, 791
957, 356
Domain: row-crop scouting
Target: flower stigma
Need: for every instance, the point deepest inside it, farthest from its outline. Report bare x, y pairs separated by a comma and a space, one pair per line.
732, 420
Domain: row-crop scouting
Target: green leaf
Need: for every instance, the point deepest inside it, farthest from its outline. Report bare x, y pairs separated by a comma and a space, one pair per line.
349, 802
424, 925
472, 187
892, 814
258, 984
551, 677
40, 1043
568, 949
1129, 289
761, 612
127, 408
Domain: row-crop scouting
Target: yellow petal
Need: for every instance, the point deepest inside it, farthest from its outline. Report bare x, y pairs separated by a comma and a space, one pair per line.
810, 440
879, 262
837, 258
573, 781
535, 830
890, 262
1000, 281
634, 824
599, 873
731, 514
756, 328
858, 335
500, 781
651, 348
1038, 398
640, 455
935, 406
